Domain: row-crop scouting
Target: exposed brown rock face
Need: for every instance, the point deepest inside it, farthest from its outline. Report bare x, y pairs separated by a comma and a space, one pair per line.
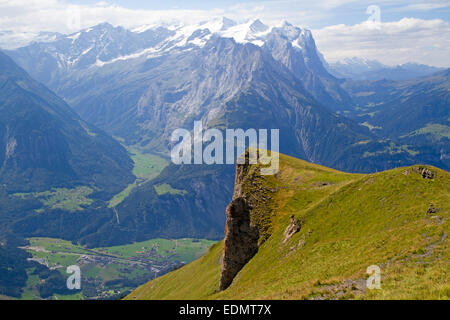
248, 221
293, 227
424, 172
432, 209
241, 241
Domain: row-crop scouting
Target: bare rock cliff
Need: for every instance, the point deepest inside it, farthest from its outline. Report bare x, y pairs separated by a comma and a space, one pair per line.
245, 229
241, 241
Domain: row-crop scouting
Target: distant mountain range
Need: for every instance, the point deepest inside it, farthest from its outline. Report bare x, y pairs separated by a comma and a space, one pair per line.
364, 69
413, 113
10, 39
60, 62
141, 85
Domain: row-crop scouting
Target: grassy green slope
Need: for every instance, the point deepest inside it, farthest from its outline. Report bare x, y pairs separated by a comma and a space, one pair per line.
196, 280
394, 219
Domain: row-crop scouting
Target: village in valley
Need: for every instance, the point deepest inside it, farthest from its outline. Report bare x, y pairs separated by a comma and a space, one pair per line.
111, 272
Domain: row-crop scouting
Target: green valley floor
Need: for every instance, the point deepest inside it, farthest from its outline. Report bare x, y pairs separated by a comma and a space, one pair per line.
107, 273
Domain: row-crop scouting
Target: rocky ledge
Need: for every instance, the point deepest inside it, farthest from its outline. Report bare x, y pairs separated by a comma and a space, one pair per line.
248, 222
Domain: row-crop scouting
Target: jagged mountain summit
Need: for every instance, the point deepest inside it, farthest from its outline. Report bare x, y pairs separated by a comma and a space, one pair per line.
94, 48
104, 43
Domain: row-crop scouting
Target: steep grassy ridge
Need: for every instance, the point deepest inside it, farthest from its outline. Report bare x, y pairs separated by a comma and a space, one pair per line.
396, 219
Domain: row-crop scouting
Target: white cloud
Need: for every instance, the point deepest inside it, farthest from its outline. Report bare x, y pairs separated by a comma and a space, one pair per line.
56, 15
426, 6
406, 40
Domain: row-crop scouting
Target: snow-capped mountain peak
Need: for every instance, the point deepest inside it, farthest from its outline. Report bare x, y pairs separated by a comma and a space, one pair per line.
218, 24
258, 27
253, 31
104, 43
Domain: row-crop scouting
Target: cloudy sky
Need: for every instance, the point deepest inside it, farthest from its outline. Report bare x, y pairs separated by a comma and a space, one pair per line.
406, 31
